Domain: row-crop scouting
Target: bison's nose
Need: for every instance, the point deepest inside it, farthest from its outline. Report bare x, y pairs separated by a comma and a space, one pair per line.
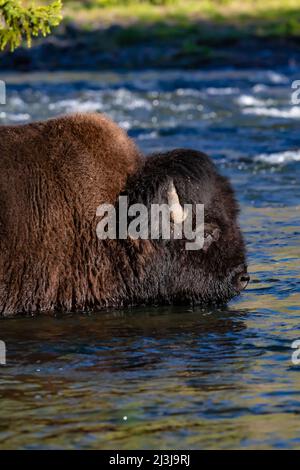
242, 281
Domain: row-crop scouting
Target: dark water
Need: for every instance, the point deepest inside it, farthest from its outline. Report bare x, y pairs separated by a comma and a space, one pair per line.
184, 379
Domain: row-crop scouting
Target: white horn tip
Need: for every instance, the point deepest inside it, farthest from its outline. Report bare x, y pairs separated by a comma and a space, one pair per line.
178, 215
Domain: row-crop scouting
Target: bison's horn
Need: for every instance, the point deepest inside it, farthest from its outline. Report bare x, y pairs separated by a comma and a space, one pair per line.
178, 214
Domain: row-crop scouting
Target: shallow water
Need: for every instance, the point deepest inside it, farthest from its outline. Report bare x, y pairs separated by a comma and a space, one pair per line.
182, 378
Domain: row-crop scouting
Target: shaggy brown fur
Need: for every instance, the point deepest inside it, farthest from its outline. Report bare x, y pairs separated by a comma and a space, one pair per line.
54, 175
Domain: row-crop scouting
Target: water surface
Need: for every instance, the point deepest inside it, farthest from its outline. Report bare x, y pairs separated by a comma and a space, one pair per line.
173, 377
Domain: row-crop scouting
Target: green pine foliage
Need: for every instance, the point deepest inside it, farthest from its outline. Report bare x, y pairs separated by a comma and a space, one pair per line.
18, 22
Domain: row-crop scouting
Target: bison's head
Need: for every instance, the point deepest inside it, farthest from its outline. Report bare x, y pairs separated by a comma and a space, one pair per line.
165, 271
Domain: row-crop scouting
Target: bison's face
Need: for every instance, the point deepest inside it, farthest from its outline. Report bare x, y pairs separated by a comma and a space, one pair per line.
212, 275
173, 273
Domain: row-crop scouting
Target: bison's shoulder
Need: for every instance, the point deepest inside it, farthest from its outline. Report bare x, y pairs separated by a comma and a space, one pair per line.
83, 159
91, 143
94, 131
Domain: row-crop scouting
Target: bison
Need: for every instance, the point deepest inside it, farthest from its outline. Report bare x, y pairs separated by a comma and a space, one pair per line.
54, 175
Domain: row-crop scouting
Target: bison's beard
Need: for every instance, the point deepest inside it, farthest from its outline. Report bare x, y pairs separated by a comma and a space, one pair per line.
166, 280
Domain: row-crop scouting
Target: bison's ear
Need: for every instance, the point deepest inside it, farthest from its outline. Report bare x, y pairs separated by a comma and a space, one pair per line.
212, 234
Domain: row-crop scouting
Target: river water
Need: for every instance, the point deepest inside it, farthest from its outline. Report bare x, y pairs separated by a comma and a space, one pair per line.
172, 377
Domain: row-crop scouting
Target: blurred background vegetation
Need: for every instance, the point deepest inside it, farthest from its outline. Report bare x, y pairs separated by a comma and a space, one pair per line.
197, 29
275, 17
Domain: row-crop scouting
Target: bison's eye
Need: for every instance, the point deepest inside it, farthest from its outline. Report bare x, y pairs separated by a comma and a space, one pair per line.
241, 281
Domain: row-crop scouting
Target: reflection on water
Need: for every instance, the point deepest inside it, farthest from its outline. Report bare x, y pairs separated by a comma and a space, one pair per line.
184, 379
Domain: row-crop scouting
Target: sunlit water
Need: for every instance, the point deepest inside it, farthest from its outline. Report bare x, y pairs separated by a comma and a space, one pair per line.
173, 378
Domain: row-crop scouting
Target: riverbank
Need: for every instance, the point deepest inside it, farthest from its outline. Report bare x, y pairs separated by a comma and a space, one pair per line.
177, 35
